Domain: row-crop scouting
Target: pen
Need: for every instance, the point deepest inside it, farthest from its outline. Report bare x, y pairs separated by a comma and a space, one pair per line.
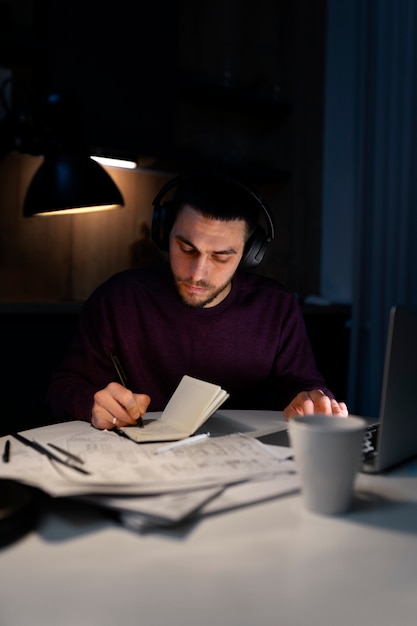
6, 452
181, 443
51, 455
122, 378
70, 455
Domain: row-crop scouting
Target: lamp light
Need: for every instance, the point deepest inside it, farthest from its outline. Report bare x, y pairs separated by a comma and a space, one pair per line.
112, 162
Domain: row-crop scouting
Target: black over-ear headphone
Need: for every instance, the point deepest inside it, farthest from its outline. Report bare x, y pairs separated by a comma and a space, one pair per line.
164, 217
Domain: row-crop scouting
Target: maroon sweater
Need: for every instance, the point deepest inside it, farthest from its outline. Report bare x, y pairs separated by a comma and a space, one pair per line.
254, 344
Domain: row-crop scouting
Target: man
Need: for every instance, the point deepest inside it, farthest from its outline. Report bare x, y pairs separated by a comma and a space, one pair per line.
202, 315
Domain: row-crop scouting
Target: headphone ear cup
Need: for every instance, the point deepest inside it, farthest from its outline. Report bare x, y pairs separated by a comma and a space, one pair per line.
162, 223
255, 249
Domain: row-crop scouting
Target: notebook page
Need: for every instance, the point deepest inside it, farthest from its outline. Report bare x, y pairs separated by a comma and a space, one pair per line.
189, 407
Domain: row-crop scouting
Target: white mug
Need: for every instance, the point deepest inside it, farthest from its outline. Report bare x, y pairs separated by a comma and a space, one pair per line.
328, 452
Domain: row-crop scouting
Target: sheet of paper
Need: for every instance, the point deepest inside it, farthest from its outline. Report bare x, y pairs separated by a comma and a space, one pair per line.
141, 513
162, 509
252, 491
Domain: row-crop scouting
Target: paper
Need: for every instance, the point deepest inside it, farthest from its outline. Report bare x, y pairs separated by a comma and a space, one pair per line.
148, 489
161, 510
119, 466
144, 512
190, 406
249, 492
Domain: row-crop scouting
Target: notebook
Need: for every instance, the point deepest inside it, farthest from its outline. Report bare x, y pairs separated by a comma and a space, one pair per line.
191, 404
392, 438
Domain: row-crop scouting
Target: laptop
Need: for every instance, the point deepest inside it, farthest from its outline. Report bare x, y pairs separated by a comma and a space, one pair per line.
392, 438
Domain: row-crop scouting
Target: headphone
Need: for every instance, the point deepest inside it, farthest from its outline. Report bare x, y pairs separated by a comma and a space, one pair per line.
164, 217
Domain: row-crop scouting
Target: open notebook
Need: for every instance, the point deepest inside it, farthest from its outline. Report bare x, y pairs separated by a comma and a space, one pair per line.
191, 404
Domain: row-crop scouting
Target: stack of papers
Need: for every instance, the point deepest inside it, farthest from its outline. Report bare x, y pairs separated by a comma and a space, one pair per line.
154, 483
147, 487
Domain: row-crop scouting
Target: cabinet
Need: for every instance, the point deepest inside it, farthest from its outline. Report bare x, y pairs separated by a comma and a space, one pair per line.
34, 340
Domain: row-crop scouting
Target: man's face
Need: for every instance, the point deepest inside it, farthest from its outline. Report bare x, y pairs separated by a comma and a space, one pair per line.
204, 254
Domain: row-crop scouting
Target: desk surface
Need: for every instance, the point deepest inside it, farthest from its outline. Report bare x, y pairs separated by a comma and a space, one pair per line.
267, 564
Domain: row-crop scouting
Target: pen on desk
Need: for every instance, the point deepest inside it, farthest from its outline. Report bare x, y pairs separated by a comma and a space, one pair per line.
6, 451
70, 455
43, 450
183, 442
122, 378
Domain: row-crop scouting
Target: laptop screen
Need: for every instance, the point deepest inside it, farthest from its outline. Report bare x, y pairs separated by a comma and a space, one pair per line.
397, 438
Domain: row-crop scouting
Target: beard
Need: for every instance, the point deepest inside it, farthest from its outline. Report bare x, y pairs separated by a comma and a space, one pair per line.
199, 301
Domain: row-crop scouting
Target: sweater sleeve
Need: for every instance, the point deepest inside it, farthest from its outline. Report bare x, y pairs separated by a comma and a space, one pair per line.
295, 365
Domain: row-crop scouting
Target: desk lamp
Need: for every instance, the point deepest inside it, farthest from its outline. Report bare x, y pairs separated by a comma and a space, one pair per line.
68, 180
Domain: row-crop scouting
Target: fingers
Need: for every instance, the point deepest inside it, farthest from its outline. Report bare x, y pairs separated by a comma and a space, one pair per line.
340, 408
308, 403
316, 401
117, 406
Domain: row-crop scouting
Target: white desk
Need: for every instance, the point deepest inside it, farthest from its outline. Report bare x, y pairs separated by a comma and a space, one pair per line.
269, 564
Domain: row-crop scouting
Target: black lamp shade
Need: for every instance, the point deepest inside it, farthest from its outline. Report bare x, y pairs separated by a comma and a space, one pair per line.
70, 183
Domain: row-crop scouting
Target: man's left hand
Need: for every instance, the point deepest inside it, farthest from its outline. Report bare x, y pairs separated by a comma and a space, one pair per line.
316, 401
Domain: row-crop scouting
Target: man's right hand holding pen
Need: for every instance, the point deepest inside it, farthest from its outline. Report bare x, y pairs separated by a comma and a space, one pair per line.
117, 406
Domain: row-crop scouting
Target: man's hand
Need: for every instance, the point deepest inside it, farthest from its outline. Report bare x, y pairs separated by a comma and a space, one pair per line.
117, 406
316, 401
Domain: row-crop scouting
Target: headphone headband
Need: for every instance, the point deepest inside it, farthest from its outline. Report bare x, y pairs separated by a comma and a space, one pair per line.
164, 216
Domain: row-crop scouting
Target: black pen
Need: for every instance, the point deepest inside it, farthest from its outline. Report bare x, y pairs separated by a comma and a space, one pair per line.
70, 455
51, 455
6, 452
122, 378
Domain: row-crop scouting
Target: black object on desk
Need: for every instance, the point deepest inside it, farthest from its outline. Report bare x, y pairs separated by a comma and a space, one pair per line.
278, 438
6, 452
19, 510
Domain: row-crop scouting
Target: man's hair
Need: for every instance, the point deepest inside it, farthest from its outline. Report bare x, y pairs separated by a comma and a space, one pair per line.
218, 198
